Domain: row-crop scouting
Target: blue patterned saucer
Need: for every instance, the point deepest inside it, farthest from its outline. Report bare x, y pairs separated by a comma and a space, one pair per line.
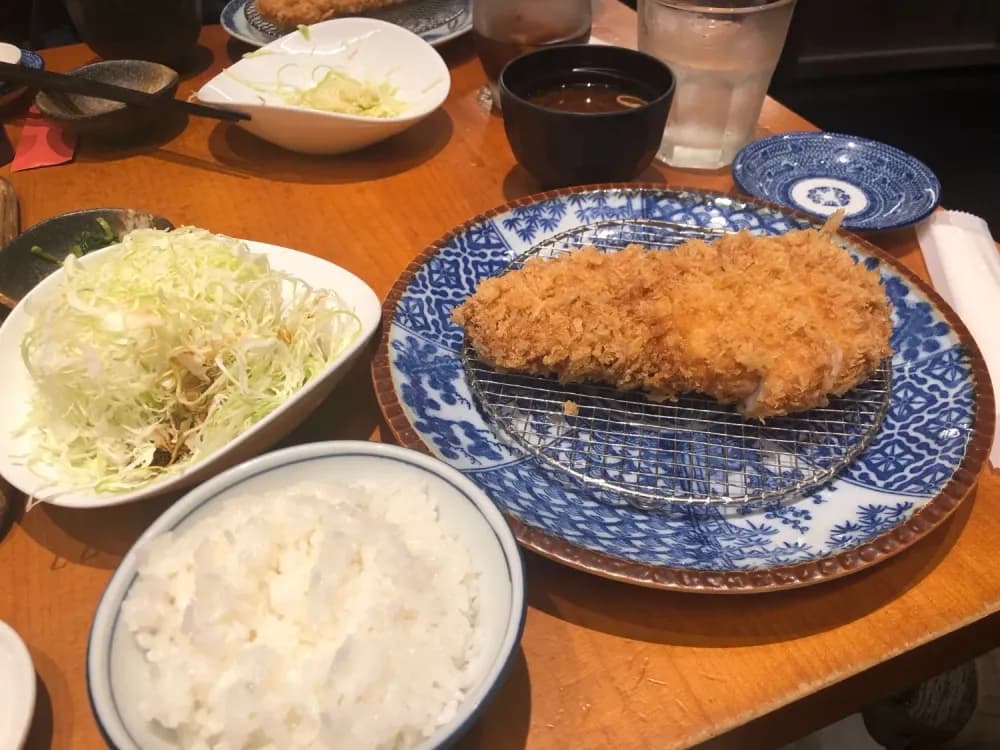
920, 465
10, 91
878, 186
434, 21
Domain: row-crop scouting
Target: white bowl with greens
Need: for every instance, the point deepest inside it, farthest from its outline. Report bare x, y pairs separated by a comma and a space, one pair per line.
334, 87
150, 365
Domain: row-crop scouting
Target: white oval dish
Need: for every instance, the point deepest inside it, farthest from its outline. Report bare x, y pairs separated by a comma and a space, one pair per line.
17, 387
17, 688
366, 48
464, 510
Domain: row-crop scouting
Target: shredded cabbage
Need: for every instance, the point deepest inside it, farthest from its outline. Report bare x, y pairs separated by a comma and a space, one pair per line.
164, 350
335, 91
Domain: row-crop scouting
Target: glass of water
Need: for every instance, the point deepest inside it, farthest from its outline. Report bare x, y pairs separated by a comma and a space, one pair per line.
723, 54
504, 29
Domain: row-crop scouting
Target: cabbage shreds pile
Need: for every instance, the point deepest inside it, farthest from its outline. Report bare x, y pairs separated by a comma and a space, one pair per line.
332, 90
165, 349
337, 91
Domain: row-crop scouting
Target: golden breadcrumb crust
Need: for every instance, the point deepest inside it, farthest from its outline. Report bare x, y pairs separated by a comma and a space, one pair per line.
289, 13
771, 324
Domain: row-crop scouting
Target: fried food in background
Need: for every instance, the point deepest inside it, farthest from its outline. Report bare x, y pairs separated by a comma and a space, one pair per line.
289, 13
773, 325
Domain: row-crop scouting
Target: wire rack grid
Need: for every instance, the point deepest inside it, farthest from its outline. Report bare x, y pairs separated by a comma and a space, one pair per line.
693, 451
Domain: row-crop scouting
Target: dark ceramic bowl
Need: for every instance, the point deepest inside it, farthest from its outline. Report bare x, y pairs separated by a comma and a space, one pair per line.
164, 31
561, 148
105, 119
21, 269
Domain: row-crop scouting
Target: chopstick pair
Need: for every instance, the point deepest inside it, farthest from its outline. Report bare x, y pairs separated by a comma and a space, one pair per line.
67, 84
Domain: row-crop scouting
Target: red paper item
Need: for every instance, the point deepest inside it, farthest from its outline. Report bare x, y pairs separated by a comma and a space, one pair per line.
43, 143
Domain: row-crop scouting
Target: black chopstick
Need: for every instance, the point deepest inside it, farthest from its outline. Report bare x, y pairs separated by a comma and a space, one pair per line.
46, 79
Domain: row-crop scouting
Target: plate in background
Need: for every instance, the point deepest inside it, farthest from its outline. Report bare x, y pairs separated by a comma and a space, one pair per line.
435, 21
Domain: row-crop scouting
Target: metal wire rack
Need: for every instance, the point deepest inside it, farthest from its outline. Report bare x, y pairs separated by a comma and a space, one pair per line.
432, 14
623, 446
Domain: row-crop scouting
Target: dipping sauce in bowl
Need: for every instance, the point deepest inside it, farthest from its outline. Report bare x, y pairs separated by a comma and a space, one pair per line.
591, 91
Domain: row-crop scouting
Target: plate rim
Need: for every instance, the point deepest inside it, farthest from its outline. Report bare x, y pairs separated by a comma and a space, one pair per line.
931, 515
237, 6
847, 222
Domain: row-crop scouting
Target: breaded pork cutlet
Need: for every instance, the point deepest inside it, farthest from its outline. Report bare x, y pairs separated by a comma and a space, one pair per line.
290, 13
773, 325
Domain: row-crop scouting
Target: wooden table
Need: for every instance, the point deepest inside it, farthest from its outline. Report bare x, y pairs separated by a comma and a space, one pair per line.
602, 665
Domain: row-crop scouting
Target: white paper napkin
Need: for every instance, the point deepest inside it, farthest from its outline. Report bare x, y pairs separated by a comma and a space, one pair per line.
964, 265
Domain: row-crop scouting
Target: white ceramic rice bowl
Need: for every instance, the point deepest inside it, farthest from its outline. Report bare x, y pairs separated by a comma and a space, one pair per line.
464, 509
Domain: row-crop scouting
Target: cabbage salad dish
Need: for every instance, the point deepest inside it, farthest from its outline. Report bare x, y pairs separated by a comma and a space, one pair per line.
157, 352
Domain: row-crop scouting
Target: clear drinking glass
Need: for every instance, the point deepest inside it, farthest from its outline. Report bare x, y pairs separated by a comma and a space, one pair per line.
504, 29
723, 54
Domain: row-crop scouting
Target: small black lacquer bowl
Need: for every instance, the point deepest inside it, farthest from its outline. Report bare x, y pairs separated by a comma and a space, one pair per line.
560, 147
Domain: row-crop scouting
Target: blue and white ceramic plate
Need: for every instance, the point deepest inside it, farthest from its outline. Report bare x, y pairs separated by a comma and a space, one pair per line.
915, 472
10, 91
434, 21
878, 186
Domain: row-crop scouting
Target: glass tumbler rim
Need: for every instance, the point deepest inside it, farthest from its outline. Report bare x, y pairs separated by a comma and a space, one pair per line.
708, 8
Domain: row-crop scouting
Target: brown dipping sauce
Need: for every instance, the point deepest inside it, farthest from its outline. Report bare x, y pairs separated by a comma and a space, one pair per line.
590, 91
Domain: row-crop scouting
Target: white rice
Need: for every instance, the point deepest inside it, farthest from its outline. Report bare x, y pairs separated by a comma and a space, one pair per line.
325, 616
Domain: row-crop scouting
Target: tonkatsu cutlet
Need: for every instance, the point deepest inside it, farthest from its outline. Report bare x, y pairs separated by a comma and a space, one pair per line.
773, 325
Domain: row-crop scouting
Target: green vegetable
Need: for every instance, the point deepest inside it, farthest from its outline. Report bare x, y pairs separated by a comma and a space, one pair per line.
165, 350
339, 92
36, 250
303, 30
335, 91
85, 242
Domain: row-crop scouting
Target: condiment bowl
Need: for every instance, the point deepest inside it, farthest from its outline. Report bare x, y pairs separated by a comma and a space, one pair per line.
114, 659
560, 147
17, 689
105, 119
366, 49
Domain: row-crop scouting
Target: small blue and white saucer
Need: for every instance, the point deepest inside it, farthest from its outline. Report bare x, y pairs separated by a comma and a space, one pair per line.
878, 186
10, 91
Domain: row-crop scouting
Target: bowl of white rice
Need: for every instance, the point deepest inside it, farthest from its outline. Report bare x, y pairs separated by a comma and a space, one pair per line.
330, 595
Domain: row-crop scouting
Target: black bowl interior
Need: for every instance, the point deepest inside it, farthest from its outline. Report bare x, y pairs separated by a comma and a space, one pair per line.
540, 69
140, 75
21, 268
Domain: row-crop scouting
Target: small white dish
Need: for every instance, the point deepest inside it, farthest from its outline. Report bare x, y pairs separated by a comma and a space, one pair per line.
113, 656
17, 689
17, 387
365, 48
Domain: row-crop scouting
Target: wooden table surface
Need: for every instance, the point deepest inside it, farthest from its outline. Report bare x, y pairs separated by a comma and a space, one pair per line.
601, 665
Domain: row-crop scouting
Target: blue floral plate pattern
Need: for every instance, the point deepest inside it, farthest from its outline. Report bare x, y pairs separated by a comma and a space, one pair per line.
877, 185
10, 91
918, 468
